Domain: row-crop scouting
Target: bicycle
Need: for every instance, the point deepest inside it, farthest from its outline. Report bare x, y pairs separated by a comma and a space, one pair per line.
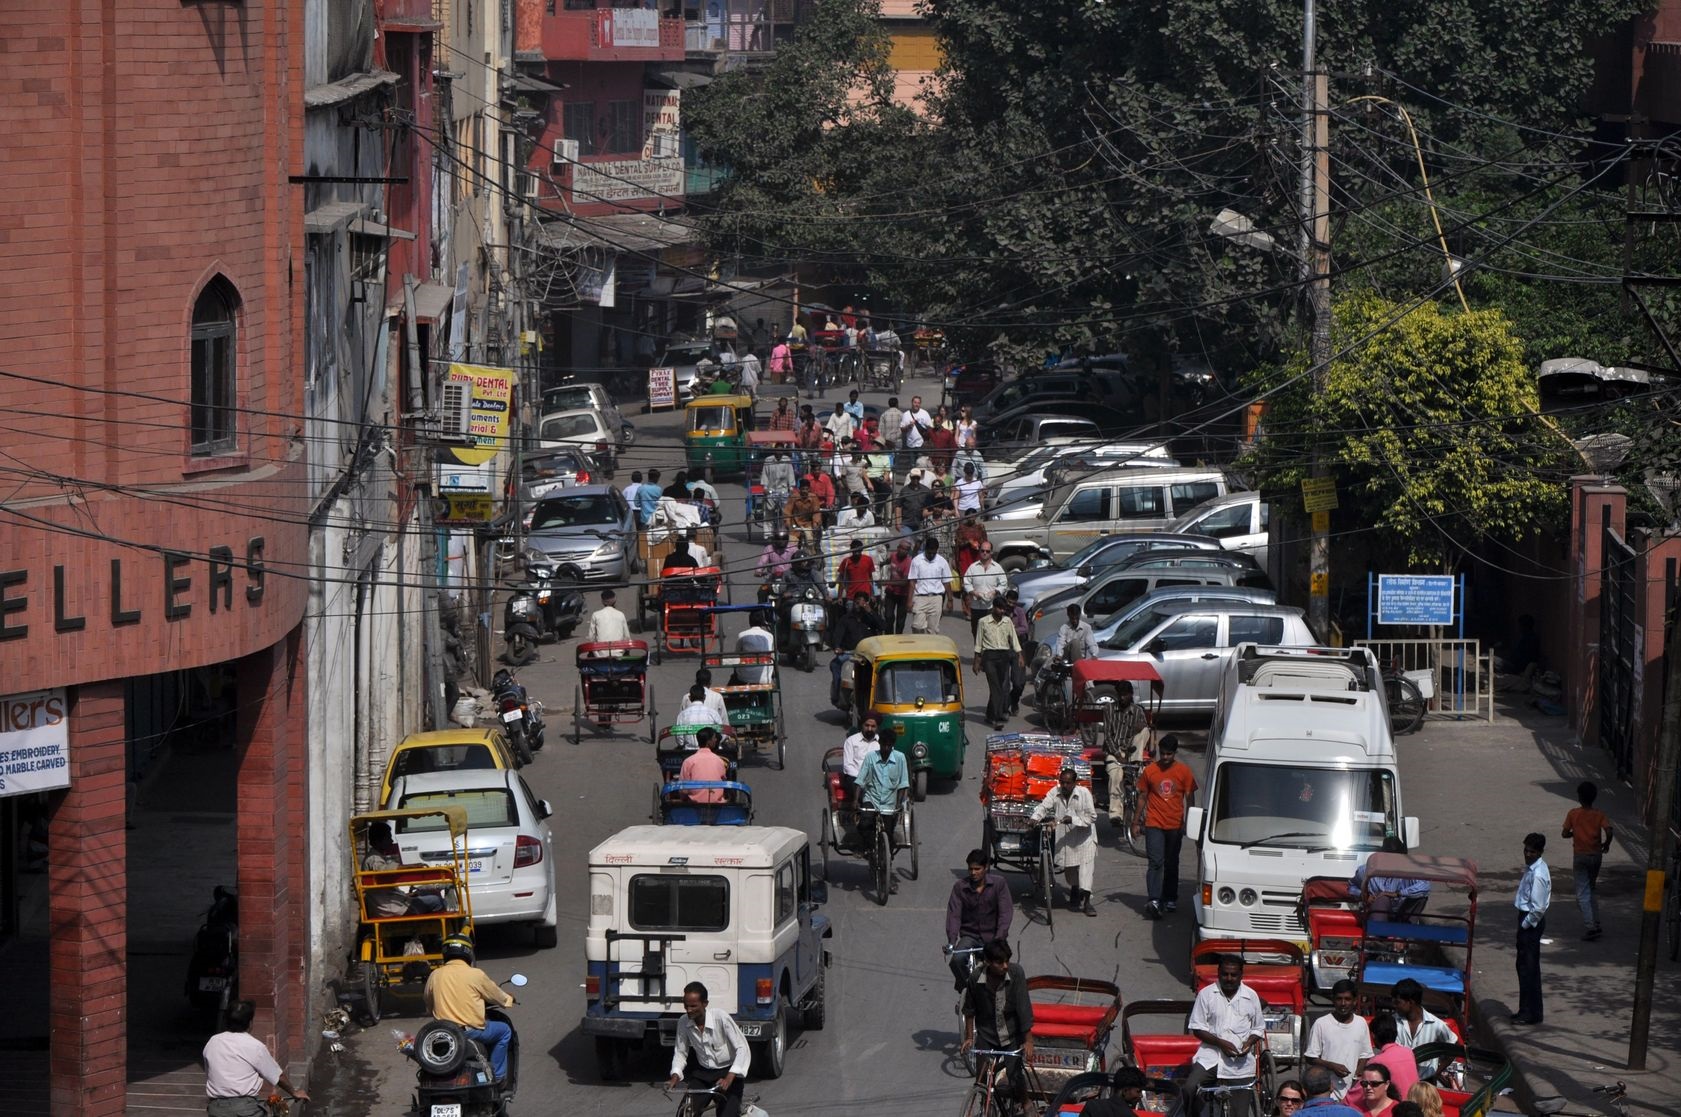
881, 852
1616, 1096
989, 1096
1216, 1100
692, 1101
965, 1056
1129, 801
1405, 701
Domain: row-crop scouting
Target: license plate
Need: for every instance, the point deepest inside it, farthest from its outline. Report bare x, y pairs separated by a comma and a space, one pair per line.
448, 1109
212, 984
1061, 1060
512, 716
475, 866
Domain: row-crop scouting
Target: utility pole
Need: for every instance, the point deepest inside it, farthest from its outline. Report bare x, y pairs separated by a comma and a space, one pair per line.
1659, 848
1316, 276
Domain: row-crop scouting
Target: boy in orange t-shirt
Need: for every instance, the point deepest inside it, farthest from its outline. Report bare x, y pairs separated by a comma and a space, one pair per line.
1590, 834
1165, 788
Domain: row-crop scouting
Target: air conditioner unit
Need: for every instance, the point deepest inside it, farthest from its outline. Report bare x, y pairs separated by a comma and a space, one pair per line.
665, 145
455, 410
565, 151
528, 186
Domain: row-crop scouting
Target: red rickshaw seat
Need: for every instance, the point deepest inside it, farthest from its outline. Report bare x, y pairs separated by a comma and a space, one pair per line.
1085, 1033
1160, 1056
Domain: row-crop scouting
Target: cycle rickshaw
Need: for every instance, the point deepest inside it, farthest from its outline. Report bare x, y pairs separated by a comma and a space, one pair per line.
764, 516
1021, 769
704, 803
686, 598
612, 687
1073, 1020
849, 830
754, 708
1165, 1058
1277, 970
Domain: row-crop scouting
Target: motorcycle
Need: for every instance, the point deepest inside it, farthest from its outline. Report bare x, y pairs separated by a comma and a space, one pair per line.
213, 970
539, 612
520, 714
454, 1077
801, 618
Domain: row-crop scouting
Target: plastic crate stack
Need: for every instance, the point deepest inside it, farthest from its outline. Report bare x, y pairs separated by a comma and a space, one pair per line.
1022, 768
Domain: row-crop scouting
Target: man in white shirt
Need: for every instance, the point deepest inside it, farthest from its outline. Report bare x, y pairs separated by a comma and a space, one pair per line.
970, 492
855, 748
630, 489
694, 714
913, 424
691, 542
857, 514
1340, 1042
1227, 1018
710, 1051
1535, 893
930, 576
755, 639
607, 624
714, 701
840, 424
983, 581
237, 1066
892, 422
1075, 640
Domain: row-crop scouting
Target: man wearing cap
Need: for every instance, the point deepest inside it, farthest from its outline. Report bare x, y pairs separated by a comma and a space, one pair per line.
930, 576
997, 651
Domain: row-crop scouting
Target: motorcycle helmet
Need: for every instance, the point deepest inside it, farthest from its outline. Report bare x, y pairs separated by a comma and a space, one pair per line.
781, 538
458, 946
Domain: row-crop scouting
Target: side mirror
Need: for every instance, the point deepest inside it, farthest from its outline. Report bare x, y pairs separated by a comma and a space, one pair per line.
543, 808
819, 891
1409, 832
1085, 570
1193, 823
1156, 647
519, 981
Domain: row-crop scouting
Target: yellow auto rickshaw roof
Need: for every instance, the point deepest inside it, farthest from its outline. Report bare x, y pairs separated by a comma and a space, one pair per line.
720, 401
907, 647
456, 817
438, 738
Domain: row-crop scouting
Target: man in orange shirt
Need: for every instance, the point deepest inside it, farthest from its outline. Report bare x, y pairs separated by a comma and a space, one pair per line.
1590, 834
705, 765
1165, 788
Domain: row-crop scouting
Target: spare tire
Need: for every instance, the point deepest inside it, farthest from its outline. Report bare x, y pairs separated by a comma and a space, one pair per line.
440, 1047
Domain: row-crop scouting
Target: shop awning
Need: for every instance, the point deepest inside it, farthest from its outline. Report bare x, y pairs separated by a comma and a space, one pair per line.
337, 92
525, 83
432, 302
619, 232
375, 229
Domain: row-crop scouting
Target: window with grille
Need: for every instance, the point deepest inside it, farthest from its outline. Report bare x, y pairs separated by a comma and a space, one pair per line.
579, 121
624, 126
213, 410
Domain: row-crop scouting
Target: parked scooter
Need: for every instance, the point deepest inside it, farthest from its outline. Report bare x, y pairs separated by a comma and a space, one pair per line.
455, 1078
520, 714
539, 611
213, 970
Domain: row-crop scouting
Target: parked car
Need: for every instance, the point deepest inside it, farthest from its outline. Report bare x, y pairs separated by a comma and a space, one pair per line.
1189, 644
510, 853
588, 533
1032, 423
546, 471
1237, 520
1032, 475
1046, 576
1069, 384
1122, 500
580, 426
584, 393
447, 750
970, 382
1169, 594
1119, 589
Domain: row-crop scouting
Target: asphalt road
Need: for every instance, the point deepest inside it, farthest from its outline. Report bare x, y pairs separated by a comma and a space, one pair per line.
889, 1045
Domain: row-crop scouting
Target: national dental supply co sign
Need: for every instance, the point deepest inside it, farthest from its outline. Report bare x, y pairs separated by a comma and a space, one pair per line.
34, 742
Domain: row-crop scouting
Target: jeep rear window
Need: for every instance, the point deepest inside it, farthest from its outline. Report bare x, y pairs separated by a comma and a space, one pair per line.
679, 903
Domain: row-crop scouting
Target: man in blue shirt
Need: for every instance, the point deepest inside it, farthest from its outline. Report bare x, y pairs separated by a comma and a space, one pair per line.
883, 780
1535, 892
648, 498
1317, 1084
1396, 898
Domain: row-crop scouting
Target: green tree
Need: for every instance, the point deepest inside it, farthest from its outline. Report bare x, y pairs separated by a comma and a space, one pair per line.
1428, 421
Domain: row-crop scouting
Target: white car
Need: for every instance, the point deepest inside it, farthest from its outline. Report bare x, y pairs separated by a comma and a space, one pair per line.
583, 427
510, 850
1030, 474
1237, 520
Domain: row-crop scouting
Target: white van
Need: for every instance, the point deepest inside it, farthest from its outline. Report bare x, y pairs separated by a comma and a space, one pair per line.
732, 907
1301, 781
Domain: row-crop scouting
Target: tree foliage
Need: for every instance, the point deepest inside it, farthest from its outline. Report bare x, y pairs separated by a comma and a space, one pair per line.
1427, 419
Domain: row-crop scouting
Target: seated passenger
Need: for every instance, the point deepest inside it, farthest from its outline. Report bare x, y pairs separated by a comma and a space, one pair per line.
383, 854
1395, 898
705, 765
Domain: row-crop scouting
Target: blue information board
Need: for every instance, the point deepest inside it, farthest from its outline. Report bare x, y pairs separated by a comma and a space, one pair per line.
1415, 598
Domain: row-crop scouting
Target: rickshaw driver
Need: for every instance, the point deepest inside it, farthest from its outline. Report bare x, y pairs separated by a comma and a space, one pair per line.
805, 514
978, 912
1228, 1019
1122, 747
998, 1013
884, 780
458, 992
711, 1051
1126, 1091
755, 639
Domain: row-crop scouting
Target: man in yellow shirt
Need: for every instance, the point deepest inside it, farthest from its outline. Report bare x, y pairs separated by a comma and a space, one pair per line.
458, 991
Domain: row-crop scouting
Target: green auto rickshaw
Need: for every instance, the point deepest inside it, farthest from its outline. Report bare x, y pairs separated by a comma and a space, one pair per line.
913, 685
715, 434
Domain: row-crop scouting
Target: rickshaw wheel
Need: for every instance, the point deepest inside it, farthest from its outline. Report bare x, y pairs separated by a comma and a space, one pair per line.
653, 715
919, 786
578, 715
655, 816
989, 842
1047, 885
825, 839
370, 993
781, 749
916, 860
882, 862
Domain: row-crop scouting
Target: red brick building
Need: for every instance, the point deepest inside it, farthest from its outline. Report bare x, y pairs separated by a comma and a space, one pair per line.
152, 524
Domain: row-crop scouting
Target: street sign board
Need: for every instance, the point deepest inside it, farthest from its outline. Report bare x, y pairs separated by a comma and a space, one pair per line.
1319, 494
1415, 598
662, 388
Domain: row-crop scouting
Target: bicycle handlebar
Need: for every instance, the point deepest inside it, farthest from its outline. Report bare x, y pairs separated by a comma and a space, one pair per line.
981, 1051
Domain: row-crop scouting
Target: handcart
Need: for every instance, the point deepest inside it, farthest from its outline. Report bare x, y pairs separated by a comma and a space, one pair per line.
612, 687
406, 911
764, 515
704, 803
1164, 1056
686, 617
848, 830
1021, 769
1277, 970
1073, 1020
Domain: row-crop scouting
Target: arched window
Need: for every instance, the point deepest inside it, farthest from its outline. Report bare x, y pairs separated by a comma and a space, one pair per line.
215, 356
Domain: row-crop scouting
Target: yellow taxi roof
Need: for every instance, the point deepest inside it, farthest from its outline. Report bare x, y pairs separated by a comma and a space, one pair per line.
720, 401
906, 647
482, 735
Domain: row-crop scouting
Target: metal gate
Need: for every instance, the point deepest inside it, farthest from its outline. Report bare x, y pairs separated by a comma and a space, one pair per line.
1619, 649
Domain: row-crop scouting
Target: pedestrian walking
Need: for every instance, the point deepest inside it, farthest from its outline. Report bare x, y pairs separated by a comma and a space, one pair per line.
1018, 674
997, 651
892, 419
1120, 747
1535, 893
1070, 807
1165, 789
984, 584
930, 576
1589, 832
896, 589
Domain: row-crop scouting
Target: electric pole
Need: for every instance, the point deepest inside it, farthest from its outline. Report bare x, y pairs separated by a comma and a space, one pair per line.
1659, 848
1316, 277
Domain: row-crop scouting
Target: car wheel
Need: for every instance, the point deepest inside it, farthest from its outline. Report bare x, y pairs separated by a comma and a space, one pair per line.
919, 786
545, 938
1013, 563
817, 1014
770, 1057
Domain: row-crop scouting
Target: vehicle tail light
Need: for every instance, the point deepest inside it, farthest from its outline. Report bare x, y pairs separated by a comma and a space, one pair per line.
507, 704
601, 447
527, 851
764, 990
583, 477
592, 988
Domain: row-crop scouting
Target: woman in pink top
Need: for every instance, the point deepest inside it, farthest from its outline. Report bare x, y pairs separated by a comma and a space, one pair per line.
1395, 1063
781, 363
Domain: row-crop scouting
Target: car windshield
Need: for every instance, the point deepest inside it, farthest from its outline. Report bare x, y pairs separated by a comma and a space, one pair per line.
569, 426
1303, 807
485, 806
575, 511
554, 465
567, 398
710, 418
904, 683
1131, 633
441, 758
1089, 553
679, 903
685, 354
